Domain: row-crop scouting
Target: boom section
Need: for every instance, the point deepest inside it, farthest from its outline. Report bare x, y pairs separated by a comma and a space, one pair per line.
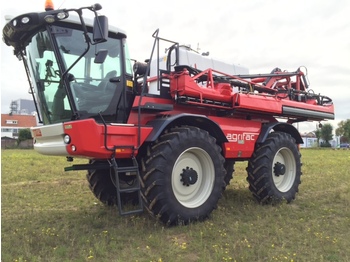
278, 94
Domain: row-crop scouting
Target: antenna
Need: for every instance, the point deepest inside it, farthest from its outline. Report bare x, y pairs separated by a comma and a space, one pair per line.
61, 4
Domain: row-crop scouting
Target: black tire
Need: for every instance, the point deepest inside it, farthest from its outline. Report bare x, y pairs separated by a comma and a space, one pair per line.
102, 185
274, 170
229, 167
182, 176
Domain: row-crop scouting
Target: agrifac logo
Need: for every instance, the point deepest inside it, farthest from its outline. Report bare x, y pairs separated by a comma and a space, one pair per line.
241, 138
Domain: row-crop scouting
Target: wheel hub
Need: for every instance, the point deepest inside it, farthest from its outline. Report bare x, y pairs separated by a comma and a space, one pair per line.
189, 176
279, 169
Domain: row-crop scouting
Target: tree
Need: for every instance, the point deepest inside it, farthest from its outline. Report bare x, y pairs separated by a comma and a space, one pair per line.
318, 135
326, 134
343, 131
24, 134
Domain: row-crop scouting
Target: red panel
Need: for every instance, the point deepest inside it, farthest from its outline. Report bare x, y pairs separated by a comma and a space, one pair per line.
241, 134
88, 138
261, 103
274, 105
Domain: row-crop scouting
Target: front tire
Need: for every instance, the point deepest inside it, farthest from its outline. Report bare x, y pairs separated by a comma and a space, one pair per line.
183, 176
103, 185
274, 170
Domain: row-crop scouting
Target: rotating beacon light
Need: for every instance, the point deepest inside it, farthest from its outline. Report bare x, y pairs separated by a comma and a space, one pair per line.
49, 5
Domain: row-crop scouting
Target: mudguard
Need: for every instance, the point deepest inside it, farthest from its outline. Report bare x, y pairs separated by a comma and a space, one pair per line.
281, 127
200, 121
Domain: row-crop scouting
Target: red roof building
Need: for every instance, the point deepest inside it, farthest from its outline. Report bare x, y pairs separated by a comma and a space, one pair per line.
11, 124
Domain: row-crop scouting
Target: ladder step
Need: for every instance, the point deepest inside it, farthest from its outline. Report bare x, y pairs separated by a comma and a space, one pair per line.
131, 212
132, 189
129, 190
128, 169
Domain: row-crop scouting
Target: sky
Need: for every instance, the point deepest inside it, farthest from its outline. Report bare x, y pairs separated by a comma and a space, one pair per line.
259, 35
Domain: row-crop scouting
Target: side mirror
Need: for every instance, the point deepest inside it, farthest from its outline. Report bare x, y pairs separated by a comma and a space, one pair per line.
101, 56
100, 30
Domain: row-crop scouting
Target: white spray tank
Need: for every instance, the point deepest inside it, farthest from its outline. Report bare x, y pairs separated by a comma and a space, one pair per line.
191, 58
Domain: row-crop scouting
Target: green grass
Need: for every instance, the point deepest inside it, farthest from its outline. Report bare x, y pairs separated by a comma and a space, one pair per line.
51, 215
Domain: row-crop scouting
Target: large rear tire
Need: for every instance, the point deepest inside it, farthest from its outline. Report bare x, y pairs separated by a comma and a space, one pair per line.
230, 169
183, 176
274, 170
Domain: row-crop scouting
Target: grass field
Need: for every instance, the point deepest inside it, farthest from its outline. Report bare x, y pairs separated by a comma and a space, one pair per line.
51, 215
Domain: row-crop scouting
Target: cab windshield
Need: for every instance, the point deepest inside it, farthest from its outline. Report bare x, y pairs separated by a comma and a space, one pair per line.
89, 88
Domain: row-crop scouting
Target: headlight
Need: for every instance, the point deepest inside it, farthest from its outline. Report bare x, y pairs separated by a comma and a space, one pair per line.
49, 19
66, 139
62, 15
25, 20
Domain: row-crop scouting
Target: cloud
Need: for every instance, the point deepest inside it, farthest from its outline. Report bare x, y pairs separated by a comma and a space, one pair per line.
261, 35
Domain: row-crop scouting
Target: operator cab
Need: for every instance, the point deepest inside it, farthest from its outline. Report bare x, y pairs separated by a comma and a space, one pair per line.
74, 72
